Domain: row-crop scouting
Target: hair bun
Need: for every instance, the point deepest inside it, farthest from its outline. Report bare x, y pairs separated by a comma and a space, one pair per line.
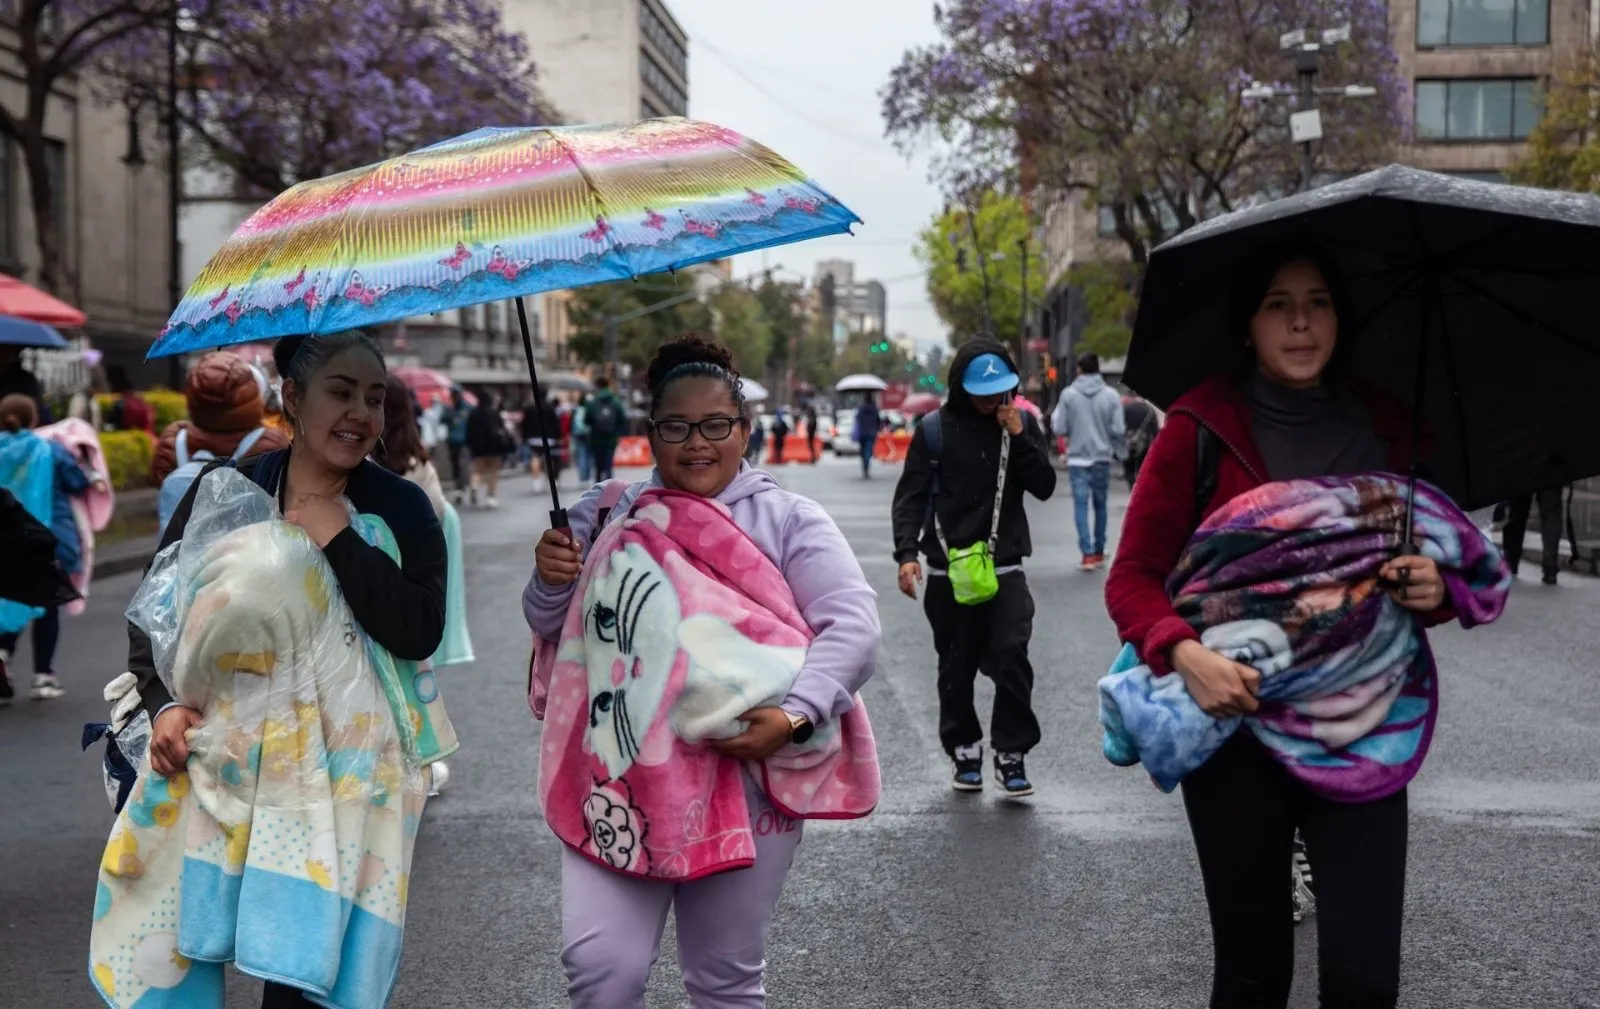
690, 348
283, 352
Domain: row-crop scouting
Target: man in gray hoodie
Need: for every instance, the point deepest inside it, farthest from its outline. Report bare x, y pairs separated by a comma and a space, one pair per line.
1089, 416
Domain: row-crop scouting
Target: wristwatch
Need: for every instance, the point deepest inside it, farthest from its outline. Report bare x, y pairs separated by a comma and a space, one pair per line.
800, 728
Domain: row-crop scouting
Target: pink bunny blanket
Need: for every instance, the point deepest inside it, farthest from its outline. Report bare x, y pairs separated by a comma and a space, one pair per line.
681, 624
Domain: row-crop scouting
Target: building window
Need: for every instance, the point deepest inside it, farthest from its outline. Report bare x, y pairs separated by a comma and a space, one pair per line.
1476, 109
55, 166
663, 39
661, 84
1483, 22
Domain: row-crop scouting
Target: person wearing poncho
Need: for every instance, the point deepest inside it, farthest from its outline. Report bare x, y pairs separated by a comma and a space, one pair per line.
338, 767
1286, 413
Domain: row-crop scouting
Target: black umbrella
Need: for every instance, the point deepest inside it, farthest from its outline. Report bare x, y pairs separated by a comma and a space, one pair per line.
30, 575
1473, 302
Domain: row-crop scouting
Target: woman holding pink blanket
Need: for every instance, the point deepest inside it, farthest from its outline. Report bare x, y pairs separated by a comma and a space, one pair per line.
714, 631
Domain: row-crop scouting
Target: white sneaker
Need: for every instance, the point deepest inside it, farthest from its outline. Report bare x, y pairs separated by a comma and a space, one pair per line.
492, 502
46, 687
438, 774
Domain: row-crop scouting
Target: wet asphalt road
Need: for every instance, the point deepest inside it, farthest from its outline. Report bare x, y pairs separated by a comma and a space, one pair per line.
1086, 896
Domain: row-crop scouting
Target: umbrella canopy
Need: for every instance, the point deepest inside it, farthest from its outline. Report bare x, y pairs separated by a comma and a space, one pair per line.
23, 333
919, 403
430, 386
494, 214
571, 383
25, 301
1473, 302
1025, 404
754, 392
861, 383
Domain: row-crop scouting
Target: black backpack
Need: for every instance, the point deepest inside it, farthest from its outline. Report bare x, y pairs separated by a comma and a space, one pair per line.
603, 417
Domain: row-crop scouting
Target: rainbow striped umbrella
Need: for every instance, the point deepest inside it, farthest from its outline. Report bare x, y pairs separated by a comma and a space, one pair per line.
494, 214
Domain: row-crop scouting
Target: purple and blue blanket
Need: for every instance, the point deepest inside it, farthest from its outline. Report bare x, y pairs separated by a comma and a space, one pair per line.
1285, 579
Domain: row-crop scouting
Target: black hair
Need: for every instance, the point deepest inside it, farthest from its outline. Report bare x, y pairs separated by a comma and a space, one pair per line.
297, 358
1251, 281
602, 382
693, 356
1089, 363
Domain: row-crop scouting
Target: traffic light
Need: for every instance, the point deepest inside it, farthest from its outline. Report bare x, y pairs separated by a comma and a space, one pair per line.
879, 348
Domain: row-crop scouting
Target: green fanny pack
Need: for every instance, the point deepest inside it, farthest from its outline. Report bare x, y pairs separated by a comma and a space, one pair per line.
972, 575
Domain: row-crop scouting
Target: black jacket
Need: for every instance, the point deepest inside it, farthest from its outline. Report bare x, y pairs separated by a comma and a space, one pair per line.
401, 607
968, 471
486, 432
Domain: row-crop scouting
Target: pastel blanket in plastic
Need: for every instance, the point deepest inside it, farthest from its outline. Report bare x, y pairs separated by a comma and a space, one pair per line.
286, 847
1285, 579
679, 625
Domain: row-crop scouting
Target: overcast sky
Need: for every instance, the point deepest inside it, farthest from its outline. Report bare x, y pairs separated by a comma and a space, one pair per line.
803, 78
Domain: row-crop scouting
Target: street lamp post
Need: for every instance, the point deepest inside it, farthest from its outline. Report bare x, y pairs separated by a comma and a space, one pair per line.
1305, 124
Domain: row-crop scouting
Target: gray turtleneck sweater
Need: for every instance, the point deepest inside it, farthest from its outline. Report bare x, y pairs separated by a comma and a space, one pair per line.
1312, 432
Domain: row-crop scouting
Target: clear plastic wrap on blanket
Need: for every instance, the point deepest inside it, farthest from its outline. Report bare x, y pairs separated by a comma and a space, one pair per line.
249, 627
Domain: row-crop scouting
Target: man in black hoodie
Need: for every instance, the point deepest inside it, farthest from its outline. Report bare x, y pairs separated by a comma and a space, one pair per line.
948, 498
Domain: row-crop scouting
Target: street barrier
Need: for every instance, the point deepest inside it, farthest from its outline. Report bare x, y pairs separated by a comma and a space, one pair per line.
892, 447
633, 452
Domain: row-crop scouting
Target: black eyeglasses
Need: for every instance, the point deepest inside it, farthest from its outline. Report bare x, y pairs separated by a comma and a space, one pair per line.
676, 432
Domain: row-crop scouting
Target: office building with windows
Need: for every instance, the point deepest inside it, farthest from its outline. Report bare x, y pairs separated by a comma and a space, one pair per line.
1476, 68
606, 61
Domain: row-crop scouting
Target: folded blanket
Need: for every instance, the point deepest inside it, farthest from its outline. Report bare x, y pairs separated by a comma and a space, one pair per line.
1284, 579
286, 847
680, 624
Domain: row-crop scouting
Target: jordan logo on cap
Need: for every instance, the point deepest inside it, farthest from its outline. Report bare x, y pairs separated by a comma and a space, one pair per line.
989, 369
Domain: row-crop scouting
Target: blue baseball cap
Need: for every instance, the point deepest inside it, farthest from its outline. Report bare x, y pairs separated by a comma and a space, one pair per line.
989, 375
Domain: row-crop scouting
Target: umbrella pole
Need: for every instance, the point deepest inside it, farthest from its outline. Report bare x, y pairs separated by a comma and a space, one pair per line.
558, 514
1430, 305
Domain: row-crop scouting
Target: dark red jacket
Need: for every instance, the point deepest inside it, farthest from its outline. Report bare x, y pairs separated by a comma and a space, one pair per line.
1160, 517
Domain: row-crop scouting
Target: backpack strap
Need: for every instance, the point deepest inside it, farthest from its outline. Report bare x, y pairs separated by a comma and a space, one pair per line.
610, 494
1207, 457
933, 438
246, 443
180, 447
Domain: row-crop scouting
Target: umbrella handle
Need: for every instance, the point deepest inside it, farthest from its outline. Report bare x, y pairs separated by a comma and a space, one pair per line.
558, 522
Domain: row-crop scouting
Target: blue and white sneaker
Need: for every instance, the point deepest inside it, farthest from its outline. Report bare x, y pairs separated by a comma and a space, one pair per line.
969, 769
1011, 775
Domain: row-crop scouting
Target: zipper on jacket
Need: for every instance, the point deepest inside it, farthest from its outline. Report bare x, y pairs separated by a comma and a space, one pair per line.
1257, 477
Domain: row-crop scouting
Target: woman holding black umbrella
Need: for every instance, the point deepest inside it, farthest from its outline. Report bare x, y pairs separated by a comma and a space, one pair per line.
1285, 412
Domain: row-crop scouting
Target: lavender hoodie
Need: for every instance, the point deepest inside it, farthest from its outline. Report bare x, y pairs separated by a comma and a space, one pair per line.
799, 537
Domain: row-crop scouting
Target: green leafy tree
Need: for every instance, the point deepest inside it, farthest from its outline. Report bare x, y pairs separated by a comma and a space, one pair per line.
1564, 149
975, 267
1109, 295
740, 324
783, 307
872, 354
816, 357
637, 339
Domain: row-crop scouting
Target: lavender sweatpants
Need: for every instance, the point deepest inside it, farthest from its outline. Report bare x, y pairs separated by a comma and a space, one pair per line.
611, 925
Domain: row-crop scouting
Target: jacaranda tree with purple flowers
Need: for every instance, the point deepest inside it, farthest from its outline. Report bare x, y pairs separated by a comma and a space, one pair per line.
1137, 105
280, 91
